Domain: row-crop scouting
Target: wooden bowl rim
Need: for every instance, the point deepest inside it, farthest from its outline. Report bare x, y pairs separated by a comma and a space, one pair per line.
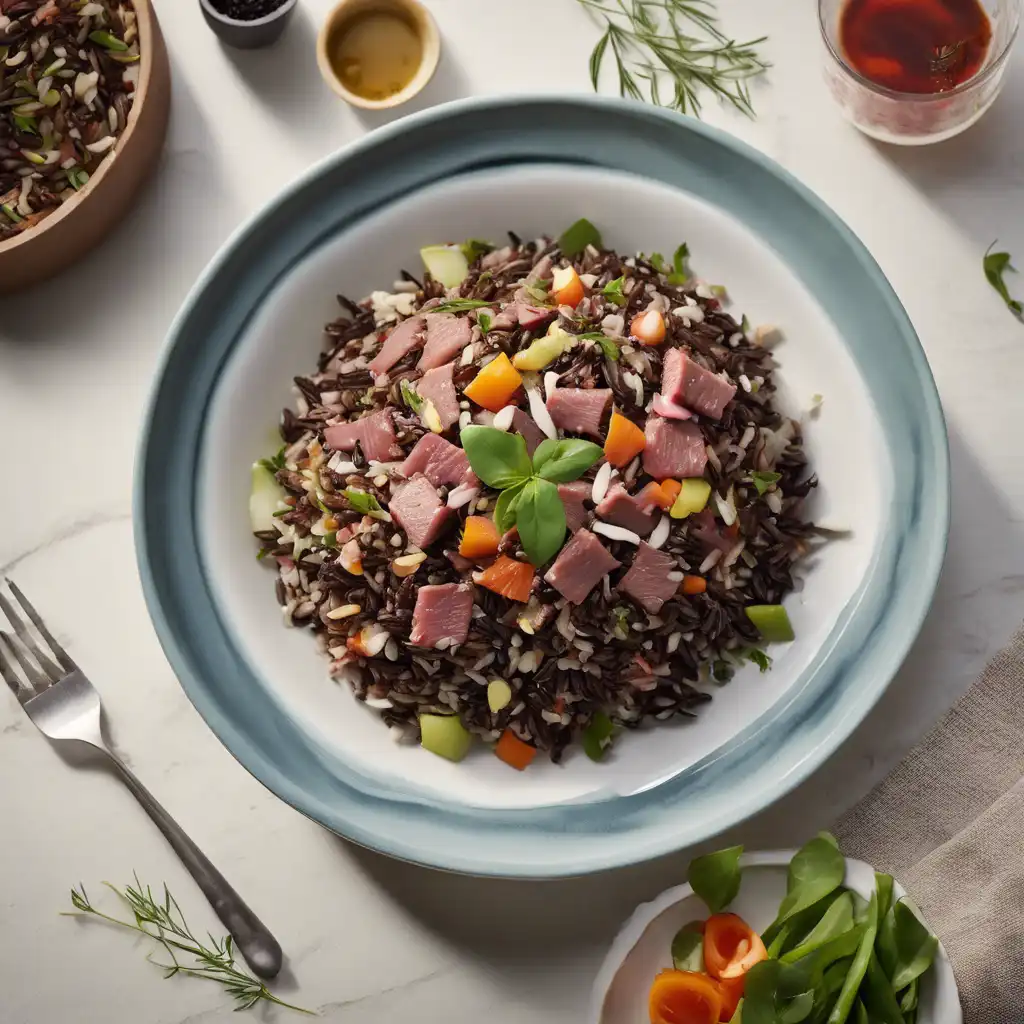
146, 19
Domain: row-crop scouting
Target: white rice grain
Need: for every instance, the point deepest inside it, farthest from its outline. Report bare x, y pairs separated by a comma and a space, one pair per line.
710, 562
503, 418
672, 644
660, 533
467, 356
550, 383
773, 499
601, 482
540, 414
616, 533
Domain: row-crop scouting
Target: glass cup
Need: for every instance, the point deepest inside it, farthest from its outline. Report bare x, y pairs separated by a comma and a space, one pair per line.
916, 119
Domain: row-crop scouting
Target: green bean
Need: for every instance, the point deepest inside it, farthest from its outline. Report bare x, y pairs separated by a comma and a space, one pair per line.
844, 1004
878, 995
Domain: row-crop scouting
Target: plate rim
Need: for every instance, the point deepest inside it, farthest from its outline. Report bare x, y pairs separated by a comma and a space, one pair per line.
826, 743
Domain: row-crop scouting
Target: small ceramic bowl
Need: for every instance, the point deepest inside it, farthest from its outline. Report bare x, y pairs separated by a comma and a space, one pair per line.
642, 947
248, 35
67, 234
412, 12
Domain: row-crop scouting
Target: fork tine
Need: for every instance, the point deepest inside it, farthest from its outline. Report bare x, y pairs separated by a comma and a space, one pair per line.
36, 676
11, 676
62, 656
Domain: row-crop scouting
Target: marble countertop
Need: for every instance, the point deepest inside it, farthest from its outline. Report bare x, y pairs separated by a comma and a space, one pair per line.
369, 939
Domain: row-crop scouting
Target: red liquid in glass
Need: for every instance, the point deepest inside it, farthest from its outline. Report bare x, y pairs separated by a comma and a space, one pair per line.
921, 46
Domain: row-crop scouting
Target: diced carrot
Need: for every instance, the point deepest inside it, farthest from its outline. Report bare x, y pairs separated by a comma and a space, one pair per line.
684, 997
693, 585
625, 439
654, 494
495, 384
509, 577
566, 287
731, 946
513, 751
672, 489
648, 328
559, 706
479, 538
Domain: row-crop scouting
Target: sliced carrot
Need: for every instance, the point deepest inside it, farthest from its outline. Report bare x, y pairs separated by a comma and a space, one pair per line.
654, 494
513, 751
479, 538
495, 384
648, 328
693, 585
684, 997
731, 946
672, 489
566, 287
509, 577
625, 439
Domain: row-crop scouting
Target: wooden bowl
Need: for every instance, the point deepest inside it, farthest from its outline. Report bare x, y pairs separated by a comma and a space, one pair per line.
67, 234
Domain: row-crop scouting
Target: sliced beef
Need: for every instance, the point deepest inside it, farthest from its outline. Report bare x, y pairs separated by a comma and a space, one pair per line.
674, 450
440, 461
647, 581
686, 382
580, 566
375, 434
416, 507
579, 410
523, 315
447, 336
573, 495
442, 613
401, 340
522, 423
436, 386
620, 508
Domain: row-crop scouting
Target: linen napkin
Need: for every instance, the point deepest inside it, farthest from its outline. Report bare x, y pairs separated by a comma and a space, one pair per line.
949, 824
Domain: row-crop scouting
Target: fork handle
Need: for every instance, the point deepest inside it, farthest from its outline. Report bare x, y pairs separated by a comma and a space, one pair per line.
261, 950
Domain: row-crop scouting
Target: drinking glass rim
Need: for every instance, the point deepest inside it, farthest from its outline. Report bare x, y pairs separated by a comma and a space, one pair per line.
922, 97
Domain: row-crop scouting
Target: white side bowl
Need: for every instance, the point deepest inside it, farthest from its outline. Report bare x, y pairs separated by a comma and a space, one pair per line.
642, 947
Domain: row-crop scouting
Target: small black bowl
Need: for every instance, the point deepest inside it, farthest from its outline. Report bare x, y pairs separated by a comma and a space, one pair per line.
248, 35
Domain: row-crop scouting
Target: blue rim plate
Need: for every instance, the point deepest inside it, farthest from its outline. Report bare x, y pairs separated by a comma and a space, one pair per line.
847, 676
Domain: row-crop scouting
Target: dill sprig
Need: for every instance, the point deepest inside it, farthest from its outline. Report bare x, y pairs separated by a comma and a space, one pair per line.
653, 47
164, 923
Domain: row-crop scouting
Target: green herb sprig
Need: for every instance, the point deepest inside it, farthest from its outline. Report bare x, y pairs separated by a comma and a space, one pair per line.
529, 494
458, 306
163, 922
995, 265
673, 43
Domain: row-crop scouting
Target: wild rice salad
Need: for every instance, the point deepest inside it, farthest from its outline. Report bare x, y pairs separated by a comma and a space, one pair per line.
68, 73
539, 496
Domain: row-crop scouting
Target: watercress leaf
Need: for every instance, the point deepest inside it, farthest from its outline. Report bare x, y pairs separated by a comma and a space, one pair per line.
657, 261
499, 458
484, 320
716, 877
765, 481
613, 291
688, 947
774, 992
567, 461
540, 519
362, 502
474, 248
581, 234
816, 870
505, 507
908, 950
995, 265
798, 1009
597, 736
678, 275
411, 396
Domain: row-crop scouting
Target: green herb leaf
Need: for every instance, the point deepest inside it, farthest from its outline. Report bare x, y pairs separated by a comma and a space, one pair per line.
275, 462
745, 325
458, 306
581, 234
411, 396
679, 258
765, 481
758, 657
538, 291
499, 458
995, 265
505, 507
565, 461
26, 123
608, 345
363, 502
688, 948
474, 248
484, 320
816, 870
906, 949
715, 878
540, 519
597, 736
108, 41
613, 292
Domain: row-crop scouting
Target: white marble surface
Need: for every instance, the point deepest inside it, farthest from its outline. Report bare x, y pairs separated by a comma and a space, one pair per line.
370, 940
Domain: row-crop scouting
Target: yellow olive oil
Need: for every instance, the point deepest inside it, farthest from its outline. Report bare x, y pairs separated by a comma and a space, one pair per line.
376, 54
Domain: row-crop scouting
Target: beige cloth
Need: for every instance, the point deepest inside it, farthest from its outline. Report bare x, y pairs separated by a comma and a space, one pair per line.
949, 824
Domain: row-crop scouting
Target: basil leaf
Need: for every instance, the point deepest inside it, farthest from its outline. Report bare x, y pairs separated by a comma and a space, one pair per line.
715, 878
499, 458
678, 275
906, 948
362, 502
565, 460
540, 519
505, 508
474, 248
577, 237
995, 265
688, 948
597, 736
764, 481
613, 292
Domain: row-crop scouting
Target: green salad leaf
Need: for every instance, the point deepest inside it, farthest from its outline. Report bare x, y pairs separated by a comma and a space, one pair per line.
363, 502
474, 248
578, 236
906, 948
688, 947
996, 265
608, 345
715, 878
765, 481
613, 291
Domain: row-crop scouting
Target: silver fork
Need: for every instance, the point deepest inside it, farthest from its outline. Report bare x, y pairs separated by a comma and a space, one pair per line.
64, 705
